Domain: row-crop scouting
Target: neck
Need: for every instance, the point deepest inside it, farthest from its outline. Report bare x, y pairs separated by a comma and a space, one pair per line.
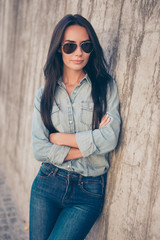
71, 77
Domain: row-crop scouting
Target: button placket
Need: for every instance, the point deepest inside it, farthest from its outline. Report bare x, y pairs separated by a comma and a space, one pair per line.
70, 118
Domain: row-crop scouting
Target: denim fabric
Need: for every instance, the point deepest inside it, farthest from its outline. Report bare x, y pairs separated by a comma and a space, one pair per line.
64, 205
74, 115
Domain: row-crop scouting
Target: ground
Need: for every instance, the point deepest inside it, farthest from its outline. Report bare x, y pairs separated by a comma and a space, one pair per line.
12, 227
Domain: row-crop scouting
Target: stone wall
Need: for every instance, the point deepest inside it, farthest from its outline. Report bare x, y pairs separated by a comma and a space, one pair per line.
129, 32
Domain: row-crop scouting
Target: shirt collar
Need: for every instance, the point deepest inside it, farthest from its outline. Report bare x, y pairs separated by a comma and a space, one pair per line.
86, 78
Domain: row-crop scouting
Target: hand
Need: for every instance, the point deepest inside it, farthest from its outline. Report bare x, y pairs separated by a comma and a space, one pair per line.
104, 121
73, 153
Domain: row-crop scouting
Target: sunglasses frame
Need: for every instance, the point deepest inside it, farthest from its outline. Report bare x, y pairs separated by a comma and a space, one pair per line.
76, 46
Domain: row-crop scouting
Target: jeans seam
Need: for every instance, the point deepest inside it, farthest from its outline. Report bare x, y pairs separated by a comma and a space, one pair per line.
89, 193
45, 177
61, 175
63, 199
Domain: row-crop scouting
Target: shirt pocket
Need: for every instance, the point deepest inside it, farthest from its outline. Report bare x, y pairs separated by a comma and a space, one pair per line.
86, 114
55, 116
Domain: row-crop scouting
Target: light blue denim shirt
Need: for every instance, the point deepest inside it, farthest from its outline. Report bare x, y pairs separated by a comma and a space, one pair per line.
74, 115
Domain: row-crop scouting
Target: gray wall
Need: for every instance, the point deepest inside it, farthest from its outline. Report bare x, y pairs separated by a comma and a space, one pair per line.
129, 32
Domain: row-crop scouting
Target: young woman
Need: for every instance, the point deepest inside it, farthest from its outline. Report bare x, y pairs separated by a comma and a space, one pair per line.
76, 124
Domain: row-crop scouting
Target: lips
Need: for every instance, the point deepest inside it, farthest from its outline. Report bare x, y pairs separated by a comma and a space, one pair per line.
77, 61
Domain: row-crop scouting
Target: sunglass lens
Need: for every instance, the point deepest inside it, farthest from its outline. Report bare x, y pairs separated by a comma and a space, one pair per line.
87, 47
69, 47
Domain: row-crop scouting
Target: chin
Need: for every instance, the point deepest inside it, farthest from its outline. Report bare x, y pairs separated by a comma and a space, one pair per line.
79, 67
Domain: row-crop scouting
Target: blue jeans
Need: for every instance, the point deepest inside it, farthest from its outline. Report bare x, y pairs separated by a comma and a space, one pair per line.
64, 205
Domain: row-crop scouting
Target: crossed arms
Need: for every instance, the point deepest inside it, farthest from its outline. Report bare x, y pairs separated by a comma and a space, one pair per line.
68, 139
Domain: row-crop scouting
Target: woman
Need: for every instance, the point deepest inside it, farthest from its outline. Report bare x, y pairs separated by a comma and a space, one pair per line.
75, 125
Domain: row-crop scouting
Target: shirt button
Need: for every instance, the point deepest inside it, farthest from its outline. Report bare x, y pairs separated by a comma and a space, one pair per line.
68, 166
70, 121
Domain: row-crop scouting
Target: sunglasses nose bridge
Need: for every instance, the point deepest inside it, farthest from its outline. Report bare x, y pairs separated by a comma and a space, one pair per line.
78, 50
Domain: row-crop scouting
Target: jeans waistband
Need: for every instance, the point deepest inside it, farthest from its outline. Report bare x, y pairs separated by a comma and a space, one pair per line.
61, 171
65, 173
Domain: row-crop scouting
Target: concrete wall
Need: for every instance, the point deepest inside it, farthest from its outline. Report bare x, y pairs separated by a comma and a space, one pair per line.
129, 32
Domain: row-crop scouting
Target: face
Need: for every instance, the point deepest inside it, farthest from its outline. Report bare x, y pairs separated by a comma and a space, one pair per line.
78, 59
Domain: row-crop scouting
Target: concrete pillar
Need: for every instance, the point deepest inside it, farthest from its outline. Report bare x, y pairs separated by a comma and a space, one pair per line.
129, 32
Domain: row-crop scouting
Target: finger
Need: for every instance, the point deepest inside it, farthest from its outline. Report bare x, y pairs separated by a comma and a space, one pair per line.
108, 120
104, 123
105, 118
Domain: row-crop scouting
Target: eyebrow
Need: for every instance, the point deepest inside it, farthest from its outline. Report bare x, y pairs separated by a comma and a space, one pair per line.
69, 41
75, 41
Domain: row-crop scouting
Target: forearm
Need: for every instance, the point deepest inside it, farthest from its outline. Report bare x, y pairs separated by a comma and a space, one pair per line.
73, 153
66, 139
69, 139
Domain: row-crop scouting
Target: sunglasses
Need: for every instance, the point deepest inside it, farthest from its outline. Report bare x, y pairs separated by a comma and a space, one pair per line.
70, 47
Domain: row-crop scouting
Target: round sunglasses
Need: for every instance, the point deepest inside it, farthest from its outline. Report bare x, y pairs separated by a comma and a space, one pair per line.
70, 47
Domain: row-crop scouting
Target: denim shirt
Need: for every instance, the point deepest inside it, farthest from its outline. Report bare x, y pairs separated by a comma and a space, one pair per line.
74, 115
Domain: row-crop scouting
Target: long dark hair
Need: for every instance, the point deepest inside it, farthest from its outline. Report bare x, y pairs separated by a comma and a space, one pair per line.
96, 69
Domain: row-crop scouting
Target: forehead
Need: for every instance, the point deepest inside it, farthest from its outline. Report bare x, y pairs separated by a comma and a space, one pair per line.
75, 33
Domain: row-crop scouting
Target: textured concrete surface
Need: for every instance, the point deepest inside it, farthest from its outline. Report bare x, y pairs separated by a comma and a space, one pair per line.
130, 35
12, 226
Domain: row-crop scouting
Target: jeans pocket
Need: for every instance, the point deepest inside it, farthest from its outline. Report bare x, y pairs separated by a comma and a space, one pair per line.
93, 187
45, 171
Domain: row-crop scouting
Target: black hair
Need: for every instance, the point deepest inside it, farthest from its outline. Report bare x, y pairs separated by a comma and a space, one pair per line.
96, 69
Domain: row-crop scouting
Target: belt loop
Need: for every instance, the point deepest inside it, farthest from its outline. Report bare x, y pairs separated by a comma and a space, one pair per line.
55, 171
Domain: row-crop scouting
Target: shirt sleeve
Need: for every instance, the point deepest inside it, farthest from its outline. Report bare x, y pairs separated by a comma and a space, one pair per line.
43, 149
102, 141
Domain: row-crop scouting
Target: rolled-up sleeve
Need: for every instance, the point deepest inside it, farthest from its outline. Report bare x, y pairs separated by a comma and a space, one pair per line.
43, 149
104, 140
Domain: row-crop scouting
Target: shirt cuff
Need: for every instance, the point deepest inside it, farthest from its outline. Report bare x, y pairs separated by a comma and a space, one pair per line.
85, 143
58, 154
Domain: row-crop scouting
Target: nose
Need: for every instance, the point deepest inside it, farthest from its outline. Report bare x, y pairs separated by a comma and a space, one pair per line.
78, 51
